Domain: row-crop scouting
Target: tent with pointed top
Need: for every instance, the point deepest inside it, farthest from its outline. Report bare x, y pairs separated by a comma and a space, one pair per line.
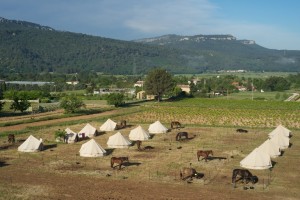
109, 125
31, 144
280, 130
71, 135
91, 149
282, 141
88, 131
118, 141
257, 159
270, 148
138, 134
157, 127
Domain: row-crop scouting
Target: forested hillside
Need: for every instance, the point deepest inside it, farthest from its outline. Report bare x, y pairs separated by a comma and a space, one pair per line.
31, 48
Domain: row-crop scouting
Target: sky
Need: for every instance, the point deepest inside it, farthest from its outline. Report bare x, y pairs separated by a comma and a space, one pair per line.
272, 24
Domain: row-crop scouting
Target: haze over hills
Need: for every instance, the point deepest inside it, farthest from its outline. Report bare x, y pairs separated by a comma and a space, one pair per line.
27, 47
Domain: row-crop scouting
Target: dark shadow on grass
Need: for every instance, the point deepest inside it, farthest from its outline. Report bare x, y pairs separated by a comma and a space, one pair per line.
49, 146
109, 151
3, 164
4, 147
151, 136
273, 163
100, 133
216, 158
127, 164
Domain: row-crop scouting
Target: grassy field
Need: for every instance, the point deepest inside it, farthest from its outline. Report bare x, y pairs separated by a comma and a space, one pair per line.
262, 75
211, 124
268, 96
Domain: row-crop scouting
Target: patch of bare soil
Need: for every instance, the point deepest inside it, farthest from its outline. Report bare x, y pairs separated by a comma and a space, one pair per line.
65, 186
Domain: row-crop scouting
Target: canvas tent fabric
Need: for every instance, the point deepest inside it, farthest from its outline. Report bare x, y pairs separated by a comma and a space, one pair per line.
257, 159
118, 141
31, 144
270, 148
138, 134
281, 140
109, 125
157, 127
280, 130
91, 149
71, 135
88, 131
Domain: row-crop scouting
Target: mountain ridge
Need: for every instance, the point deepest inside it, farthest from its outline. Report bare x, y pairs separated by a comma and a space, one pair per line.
28, 47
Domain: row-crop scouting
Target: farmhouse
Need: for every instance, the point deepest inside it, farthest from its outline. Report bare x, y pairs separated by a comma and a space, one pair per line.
139, 84
185, 88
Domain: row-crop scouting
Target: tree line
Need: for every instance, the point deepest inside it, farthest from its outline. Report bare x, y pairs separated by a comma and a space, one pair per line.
158, 82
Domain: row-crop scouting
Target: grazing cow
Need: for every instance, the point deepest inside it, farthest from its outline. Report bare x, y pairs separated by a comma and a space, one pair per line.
240, 130
11, 138
188, 172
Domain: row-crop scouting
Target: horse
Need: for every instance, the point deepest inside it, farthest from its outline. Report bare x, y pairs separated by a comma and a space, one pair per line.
181, 134
121, 124
175, 124
118, 160
240, 130
204, 154
11, 138
245, 175
187, 172
138, 144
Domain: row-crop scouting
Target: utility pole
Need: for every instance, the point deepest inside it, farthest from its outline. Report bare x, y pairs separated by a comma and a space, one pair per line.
252, 88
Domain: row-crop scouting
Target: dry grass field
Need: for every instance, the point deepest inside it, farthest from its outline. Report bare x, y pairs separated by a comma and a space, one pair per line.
59, 172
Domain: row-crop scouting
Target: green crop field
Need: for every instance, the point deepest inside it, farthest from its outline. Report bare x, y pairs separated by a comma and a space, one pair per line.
220, 112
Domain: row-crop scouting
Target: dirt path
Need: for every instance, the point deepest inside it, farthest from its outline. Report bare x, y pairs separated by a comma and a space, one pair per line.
55, 121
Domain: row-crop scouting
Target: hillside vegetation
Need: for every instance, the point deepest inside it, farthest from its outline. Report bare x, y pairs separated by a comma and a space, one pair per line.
26, 47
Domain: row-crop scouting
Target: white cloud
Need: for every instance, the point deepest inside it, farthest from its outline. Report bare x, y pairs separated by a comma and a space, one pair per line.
169, 16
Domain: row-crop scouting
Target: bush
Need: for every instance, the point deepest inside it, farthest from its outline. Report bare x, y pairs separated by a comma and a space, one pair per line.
71, 104
116, 99
60, 134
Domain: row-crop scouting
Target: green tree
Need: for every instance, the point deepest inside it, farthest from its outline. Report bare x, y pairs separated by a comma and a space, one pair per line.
19, 104
276, 84
116, 99
158, 82
71, 104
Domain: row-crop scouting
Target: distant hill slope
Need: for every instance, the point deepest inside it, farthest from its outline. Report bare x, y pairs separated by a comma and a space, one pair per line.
26, 47
226, 52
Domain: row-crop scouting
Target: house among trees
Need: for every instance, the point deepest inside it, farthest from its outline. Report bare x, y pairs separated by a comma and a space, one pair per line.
72, 82
185, 88
139, 84
238, 86
142, 95
195, 81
